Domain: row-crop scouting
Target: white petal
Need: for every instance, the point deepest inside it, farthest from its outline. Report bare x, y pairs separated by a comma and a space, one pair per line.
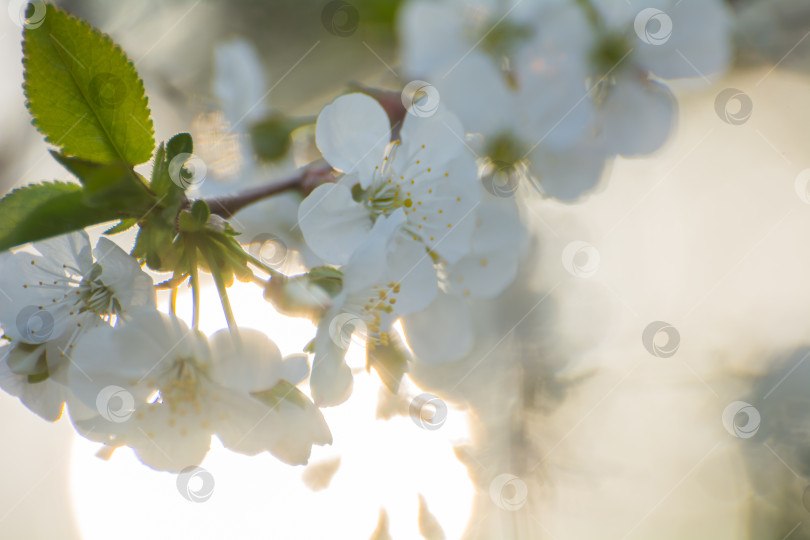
367, 264
700, 44
332, 223
431, 140
331, 380
352, 134
72, 249
164, 446
432, 35
410, 265
568, 175
248, 363
637, 117
442, 212
552, 69
477, 92
295, 368
287, 430
498, 244
38, 309
45, 398
302, 428
131, 356
239, 81
131, 286
434, 343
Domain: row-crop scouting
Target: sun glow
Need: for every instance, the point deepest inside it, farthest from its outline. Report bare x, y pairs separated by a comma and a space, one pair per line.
383, 464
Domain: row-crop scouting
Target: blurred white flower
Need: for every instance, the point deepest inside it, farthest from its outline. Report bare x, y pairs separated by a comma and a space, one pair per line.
240, 82
178, 390
426, 175
558, 88
241, 88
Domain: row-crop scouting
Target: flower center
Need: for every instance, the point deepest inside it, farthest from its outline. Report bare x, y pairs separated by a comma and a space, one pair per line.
183, 387
379, 302
97, 297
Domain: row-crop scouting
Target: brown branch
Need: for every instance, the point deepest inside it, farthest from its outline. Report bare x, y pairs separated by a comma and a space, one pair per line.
304, 180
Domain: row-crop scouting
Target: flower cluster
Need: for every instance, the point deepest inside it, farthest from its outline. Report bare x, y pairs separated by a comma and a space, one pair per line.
403, 225
558, 88
81, 328
411, 227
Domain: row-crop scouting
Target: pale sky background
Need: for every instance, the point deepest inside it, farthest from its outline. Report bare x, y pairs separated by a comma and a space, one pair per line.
708, 235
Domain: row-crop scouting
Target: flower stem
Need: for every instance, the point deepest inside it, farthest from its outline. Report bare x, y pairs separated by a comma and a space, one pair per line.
216, 272
195, 290
304, 180
173, 301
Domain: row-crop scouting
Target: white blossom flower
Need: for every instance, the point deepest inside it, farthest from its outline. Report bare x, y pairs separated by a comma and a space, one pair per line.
385, 278
49, 294
427, 175
52, 299
36, 374
183, 389
499, 243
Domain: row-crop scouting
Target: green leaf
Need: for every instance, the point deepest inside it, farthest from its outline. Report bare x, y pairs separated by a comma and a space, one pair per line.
113, 185
83, 92
162, 183
123, 225
43, 210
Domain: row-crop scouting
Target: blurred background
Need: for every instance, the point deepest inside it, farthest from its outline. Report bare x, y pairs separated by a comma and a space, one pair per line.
588, 422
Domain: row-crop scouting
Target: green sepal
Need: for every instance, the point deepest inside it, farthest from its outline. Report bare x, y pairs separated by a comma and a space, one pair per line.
121, 226
390, 361
283, 391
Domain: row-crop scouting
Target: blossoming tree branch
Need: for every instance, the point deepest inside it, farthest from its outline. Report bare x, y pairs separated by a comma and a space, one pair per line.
412, 214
